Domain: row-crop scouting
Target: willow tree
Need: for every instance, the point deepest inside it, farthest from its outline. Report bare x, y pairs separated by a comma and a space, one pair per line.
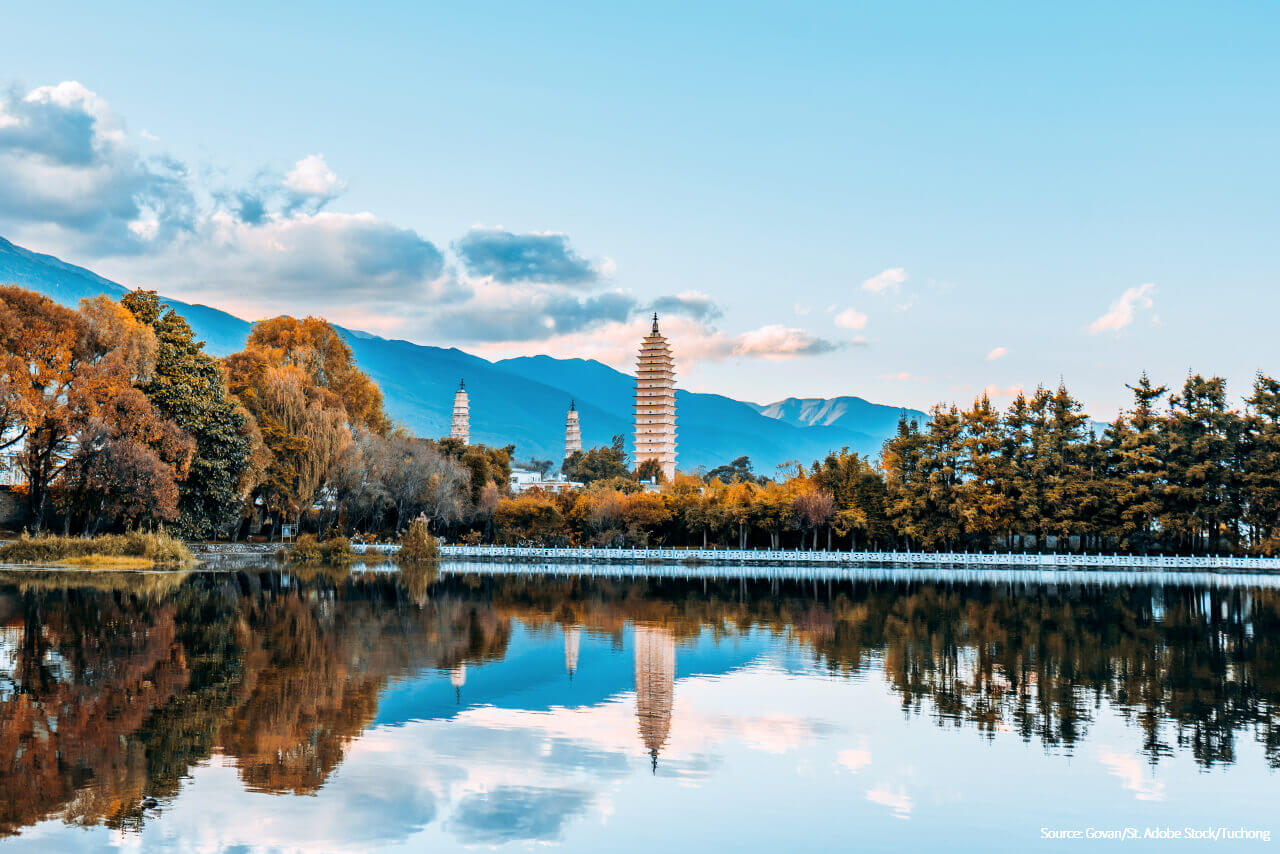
300, 381
317, 349
304, 435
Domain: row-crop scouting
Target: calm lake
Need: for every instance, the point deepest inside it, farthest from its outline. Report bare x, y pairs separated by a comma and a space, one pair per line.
464, 708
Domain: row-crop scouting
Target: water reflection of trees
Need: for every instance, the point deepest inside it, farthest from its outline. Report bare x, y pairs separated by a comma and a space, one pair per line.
112, 693
107, 697
1195, 668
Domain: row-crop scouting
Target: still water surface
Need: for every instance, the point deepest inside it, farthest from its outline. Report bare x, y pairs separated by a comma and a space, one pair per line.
381, 710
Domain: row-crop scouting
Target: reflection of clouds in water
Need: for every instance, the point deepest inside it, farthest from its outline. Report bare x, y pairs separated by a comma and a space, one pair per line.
776, 733
360, 810
854, 760
484, 777
1127, 767
513, 774
896, 799
512, 813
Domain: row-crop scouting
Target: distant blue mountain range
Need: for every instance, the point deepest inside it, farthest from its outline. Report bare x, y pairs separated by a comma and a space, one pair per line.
523, 401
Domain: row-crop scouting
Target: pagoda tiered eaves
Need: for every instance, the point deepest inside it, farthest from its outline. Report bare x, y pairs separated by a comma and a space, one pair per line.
655, 404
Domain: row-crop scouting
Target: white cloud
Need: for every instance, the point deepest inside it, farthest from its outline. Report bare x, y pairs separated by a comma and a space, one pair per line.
997, 353
311, 177
694, 341
75, 184
1007, 391
72, 96
1122, 312
776, 342
886, 280
851, 319
68, 171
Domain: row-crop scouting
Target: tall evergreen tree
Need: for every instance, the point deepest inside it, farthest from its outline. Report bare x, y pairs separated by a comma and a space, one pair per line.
1136, 444
984, 502
1065, 464
1203, 493
1260, 480
189, 387
902, 459
940, 476
1016, 465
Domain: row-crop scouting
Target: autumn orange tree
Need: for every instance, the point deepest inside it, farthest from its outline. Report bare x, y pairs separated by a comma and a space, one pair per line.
46, 352
72, 398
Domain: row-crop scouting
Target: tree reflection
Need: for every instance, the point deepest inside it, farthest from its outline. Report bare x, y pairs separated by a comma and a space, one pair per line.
111, 692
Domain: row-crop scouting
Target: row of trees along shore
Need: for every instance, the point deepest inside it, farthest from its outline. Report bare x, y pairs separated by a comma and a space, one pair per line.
115, 418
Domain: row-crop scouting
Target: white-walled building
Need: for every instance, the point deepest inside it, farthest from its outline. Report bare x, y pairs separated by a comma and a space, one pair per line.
523, 480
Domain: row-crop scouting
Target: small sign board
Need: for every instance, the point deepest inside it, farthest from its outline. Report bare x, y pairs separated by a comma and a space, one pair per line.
287, 531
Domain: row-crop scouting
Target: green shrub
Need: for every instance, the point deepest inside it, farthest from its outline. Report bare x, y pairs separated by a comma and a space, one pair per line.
417, 545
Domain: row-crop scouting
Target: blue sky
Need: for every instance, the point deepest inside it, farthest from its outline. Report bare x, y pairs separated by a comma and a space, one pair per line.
1032, 192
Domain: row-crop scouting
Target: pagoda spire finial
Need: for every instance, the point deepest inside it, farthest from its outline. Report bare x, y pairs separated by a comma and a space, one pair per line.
462, 384
655, 323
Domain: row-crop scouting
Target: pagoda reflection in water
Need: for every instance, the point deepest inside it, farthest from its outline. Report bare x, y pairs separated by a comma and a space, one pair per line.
572, 641
655, 651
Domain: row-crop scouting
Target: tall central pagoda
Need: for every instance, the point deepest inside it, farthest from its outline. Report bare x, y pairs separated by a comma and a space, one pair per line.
656, 404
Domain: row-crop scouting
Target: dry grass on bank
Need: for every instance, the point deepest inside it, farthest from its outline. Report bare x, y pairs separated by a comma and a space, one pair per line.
134, 550
109, 562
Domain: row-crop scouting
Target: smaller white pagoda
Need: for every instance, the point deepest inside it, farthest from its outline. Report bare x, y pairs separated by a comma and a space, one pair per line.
572, 432
461, 428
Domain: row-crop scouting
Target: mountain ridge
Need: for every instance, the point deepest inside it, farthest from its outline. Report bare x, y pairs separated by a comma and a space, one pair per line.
522, 400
